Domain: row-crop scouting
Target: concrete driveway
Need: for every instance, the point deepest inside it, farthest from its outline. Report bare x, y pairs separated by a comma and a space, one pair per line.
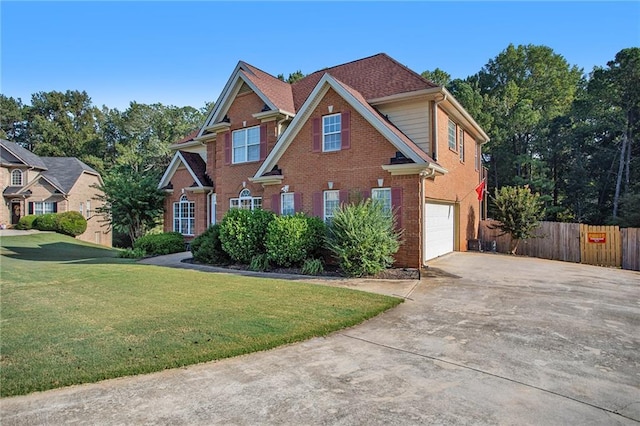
484, 339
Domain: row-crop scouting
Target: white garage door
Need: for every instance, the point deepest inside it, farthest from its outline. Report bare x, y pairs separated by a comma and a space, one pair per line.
438, 229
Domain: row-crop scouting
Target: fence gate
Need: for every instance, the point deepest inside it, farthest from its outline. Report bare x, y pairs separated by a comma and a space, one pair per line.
600, 245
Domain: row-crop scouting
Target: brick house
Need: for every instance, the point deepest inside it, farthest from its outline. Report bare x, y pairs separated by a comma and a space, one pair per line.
367, 128
37, 185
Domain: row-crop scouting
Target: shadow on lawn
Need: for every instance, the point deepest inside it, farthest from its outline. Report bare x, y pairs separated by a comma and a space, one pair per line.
61, 252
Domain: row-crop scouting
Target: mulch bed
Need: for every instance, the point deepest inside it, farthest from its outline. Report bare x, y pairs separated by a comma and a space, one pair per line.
331, 271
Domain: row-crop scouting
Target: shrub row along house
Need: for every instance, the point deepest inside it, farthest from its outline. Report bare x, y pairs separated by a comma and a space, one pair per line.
33, 185
371, 128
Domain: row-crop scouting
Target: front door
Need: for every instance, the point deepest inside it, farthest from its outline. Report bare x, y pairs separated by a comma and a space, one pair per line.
16, 213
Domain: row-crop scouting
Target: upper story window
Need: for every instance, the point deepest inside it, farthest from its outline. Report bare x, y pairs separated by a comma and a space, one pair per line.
16, 177
382, 196
331, 132
246, 145
452, 135
461, 143
246, 201
287, 204
331, 203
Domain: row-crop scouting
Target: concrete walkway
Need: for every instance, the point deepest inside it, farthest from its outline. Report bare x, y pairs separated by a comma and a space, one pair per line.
489, 339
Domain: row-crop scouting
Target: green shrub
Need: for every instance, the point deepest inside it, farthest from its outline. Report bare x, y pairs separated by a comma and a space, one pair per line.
243, 233
26, 222
259, 262
362, 238
46, 222
312, 267
207, 247
132, 253
159, 244
292, 239
71, 223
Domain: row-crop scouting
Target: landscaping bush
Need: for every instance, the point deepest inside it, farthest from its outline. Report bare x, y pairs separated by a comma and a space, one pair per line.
26, 222
159, 244
292, 239
312, 267
207, 247
71, 223
362, 238
46, 222
259, 262
243, 233
131, 253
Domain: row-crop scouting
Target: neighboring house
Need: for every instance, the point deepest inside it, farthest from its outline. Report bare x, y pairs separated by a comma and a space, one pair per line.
367, 128
37, 185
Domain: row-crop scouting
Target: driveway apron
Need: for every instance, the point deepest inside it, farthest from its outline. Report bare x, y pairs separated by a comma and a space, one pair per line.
481, 339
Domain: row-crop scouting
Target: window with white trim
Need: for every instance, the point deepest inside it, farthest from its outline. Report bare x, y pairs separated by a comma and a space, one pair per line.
461, 143
16, 177
246, 145
452, 135
331, 203
245, 201
287, 204
184, 216
43, 207
81, 209
331, 136
382, 196
88, 209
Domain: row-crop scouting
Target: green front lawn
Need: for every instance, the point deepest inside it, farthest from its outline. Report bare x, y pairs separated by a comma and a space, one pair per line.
73, 313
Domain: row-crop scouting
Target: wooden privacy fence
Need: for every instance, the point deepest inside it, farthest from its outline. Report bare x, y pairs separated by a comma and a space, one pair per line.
573, 242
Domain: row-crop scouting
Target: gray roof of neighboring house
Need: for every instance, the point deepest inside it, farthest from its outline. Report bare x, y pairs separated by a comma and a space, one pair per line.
65, 171
11, 151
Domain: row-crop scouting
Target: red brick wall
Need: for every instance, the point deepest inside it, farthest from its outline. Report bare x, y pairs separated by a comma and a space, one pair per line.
354, 169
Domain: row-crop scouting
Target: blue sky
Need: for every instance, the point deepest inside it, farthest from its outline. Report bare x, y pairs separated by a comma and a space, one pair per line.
182, 53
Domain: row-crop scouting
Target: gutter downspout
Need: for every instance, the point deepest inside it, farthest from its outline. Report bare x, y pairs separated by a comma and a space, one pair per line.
209, 223
435, 126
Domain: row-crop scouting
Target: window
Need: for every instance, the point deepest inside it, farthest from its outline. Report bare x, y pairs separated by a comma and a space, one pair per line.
88, 209
452, 135
382, 196
16, 177
184, 217
43, 207
331, 128
287, 204
81, 209
246, 145
245, 201
461, 142
331, 203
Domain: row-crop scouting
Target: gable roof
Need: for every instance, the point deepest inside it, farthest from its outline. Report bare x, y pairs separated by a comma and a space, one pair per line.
194, 164
398, 139
13, 154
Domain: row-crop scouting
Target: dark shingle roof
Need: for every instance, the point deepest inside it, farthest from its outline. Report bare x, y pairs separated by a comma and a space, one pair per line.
198, 166
10, 152
65, 171
374, 77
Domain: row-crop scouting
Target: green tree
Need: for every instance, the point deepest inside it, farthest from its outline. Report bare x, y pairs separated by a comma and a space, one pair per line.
518, 212
293, 77
524, 89
132, 202
437, 76
13, 120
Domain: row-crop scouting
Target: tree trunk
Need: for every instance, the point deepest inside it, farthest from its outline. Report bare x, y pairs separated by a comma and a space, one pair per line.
616, 197
514, 246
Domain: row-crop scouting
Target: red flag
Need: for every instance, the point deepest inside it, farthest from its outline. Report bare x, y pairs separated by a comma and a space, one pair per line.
480, 190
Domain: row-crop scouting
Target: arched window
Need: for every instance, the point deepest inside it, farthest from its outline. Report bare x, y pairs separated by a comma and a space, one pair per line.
245, 201
16, 177
184, 216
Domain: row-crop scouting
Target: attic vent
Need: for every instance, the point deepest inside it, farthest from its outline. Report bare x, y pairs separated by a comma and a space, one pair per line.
244, 89
266, 108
